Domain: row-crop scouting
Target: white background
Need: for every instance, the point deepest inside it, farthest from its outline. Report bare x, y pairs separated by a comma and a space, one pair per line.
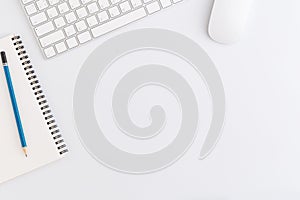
258, 155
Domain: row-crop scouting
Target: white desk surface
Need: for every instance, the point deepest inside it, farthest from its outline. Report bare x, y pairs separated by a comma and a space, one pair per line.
258, 155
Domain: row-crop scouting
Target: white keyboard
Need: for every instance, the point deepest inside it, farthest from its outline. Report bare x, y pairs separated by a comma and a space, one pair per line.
60, 25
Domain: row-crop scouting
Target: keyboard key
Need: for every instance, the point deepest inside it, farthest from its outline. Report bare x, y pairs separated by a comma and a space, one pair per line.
70, 17
38, 18
70, 30
92, 21
136, 3
103, 16
63, 8
72, 42
30, 9
45, 28
74, 4
42, 4
119, 22
59, 22
26, 1
81, 12
93, 8
115, 1
52, 38
103, 3
52, 12
165, 3
125, 6
53, 2
114, 11
60, 47
49, 52
81, 26
153, 7
85, 1
84, 37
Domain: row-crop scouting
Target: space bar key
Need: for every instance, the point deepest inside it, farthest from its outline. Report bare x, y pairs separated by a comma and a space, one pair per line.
116, 23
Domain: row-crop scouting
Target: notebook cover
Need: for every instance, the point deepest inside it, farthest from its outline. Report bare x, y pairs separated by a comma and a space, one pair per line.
44, 140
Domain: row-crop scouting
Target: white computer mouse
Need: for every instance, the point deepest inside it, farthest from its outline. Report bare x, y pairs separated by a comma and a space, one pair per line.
228, 19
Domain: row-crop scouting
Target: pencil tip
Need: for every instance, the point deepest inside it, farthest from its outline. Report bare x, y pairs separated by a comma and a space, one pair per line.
25, 151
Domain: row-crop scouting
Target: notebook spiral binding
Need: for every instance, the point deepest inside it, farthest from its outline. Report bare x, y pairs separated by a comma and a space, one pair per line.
40, 97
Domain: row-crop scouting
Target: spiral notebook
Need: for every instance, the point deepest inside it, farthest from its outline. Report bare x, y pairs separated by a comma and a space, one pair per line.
44, 140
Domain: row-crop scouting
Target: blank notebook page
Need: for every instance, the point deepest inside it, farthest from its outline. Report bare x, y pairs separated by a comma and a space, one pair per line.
44, 143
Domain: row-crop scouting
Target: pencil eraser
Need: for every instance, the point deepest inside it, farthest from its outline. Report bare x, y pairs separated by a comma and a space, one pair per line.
3, 57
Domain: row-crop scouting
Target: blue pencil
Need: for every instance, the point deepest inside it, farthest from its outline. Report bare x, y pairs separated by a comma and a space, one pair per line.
14, 103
